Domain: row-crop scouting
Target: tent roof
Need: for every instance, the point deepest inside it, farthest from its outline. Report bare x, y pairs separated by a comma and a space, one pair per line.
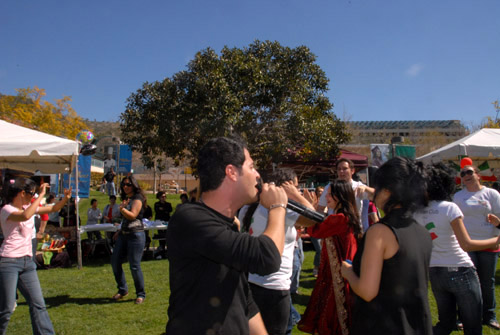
30, 150
483, 144
360, 161
324, 167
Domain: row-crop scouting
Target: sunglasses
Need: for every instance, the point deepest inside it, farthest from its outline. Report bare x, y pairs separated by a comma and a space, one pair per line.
127, 184
466, 173
32, 193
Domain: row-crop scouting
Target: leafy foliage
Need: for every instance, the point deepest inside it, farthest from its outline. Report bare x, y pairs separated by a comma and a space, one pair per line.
27, 109
272, 96
489, 122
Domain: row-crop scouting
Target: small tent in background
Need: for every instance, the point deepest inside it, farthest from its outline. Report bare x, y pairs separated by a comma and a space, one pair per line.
30, 150
481, 146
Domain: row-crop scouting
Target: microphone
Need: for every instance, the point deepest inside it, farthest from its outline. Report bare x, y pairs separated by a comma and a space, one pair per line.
304, 211
297, 207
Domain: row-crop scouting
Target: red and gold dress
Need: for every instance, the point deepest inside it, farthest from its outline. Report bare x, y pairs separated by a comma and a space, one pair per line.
329, 309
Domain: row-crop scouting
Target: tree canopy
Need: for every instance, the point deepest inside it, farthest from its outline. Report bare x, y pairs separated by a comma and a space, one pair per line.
28, 109
272, 96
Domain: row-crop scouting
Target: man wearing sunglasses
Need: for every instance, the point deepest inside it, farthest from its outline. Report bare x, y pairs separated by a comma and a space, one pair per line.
209, 258
476, 202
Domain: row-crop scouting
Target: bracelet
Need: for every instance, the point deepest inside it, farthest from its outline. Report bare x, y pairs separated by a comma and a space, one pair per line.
277, 206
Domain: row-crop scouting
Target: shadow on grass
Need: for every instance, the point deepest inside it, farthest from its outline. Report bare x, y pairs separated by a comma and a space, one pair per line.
66, 299
300, 299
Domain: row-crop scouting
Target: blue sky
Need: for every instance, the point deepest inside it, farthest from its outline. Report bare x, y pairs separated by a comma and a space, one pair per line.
386, 60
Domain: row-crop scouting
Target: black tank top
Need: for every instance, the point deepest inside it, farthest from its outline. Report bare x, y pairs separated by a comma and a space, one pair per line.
134, 225
401, 306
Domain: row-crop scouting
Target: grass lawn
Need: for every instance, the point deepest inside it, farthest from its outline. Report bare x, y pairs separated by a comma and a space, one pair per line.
79, 301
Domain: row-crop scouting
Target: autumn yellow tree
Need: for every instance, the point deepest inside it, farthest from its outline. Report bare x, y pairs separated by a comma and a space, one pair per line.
489, 122
28, 109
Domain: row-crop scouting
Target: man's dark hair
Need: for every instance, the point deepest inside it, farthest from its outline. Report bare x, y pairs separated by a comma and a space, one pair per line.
92, 201
112, 197
350, 162
215, 156
279, 176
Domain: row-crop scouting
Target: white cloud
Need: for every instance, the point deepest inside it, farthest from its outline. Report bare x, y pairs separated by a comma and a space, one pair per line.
414, 70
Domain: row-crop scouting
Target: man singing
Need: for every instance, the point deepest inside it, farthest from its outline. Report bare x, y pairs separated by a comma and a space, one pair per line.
209, 258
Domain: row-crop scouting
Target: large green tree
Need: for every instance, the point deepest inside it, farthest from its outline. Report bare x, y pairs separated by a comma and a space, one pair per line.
273, 96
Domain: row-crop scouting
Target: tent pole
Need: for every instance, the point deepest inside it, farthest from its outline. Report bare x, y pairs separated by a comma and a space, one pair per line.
78, 236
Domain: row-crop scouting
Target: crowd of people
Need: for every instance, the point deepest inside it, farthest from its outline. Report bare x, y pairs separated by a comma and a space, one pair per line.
234, 248
380, 247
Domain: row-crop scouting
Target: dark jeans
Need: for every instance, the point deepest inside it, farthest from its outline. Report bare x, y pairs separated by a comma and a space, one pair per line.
486, 264
274, 306
129, 246
316, 242
20, 273
456, 287
293, 319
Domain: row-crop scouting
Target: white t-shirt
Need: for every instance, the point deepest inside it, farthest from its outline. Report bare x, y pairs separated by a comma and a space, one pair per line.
17, 235
362, 208
279, 280
476, 206
437, 218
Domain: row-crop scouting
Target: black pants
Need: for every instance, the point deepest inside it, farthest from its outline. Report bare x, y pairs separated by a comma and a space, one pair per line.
274, 306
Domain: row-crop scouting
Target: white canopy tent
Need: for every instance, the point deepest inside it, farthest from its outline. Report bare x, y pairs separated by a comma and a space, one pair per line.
482, 145
29, 150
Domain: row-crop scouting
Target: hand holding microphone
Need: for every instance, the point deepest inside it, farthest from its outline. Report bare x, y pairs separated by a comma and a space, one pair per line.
272, 196
290, 204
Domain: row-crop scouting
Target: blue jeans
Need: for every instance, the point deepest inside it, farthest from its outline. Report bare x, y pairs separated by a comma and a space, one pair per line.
316, 242
486, 264
456, 287
298, 258
110, 188
129, 246
20, 273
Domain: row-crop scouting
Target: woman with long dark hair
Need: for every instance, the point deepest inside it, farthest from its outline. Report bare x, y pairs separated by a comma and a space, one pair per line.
130, 240
389, 273
454, 279
329, 309
17, 269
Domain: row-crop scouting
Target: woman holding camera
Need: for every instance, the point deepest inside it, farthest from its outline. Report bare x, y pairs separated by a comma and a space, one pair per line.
17, 269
